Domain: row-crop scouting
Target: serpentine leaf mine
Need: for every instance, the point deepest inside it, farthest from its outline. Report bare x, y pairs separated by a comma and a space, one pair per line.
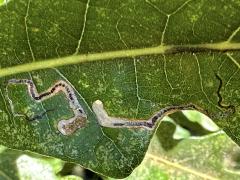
67, 127
113, 122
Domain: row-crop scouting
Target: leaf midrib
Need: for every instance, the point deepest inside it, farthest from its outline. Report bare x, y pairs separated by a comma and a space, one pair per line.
162, 49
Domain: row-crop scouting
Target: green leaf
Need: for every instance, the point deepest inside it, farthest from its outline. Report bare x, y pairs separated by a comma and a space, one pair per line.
211, 157
22, 165
162, 54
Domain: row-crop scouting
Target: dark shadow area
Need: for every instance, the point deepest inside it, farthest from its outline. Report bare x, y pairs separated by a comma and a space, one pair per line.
89, 175
193, 127
73, 169
165, 135
167, 129
67, 169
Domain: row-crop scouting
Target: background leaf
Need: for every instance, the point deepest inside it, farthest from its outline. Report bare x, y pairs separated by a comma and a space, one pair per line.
129, 87
24, 165
210, 157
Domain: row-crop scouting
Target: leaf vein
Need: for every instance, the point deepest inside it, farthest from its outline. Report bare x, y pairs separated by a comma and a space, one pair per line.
83, 28
26, 29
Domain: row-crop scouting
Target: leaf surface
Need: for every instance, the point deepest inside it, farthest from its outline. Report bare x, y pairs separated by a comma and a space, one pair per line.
210, 157
193, 63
